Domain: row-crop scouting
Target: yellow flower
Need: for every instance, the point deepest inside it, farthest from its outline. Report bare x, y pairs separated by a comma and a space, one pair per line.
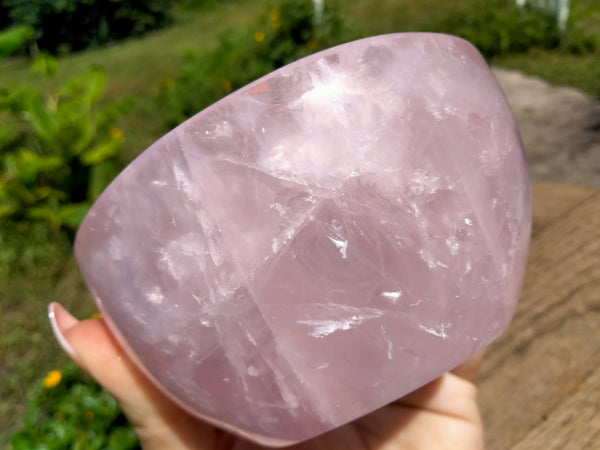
226, 85
167, 82
96, 315
115, 133
275, 19
259, 36
52, 379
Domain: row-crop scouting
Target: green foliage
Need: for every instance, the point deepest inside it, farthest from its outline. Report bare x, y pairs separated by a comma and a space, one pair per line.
583, 31
72, 25
31, 247
68, 410
12, 39
58, 149
499, 26
198, 4
287, 30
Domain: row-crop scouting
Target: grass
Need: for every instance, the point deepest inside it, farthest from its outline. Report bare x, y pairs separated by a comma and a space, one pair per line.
580, 71
136, 68
27, 348
26, 344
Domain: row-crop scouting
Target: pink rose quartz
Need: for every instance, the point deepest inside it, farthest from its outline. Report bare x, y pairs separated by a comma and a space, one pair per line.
322, 241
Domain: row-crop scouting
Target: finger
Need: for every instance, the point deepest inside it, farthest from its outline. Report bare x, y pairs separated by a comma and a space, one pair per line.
453, 393
448, 395
93, 348
61, 320
440, 414
158, 421
470, 368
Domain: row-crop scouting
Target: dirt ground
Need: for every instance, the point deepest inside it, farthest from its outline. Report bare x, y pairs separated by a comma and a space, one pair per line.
560, 128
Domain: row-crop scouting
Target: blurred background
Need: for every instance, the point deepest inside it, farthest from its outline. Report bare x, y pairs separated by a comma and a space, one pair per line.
87, 85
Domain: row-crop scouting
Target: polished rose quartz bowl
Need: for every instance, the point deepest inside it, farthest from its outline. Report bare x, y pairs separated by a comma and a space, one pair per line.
321, 242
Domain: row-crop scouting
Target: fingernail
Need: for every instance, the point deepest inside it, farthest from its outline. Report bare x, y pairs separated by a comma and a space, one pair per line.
61, 321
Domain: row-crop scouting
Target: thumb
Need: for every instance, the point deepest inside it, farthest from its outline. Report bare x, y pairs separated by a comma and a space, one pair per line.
159, 422
90, 344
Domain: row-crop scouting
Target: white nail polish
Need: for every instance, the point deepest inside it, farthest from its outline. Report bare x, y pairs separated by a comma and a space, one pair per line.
58, 333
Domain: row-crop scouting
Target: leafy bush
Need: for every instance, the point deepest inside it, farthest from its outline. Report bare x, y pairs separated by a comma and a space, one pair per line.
72, 25
500, 26
287, 31
583, 31
59, 149
12, 39
68, 410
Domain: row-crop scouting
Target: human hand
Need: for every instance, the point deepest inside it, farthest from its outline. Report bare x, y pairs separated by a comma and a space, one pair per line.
440, 415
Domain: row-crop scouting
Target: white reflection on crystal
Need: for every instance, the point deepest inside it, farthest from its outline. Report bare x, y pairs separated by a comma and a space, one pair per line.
115, 248
277, 207
220, 129
392, 296
453, 245
251, 338
184, 256
183, 182
423, 182
325, 92
431, 261
291, 400
155, 295
276, 245
323, 327
468, 267
390, 345
414, 209
341, 245
439, 331
441, 113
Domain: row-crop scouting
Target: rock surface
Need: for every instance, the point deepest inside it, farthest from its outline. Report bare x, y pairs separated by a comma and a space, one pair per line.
321, 242
560, 127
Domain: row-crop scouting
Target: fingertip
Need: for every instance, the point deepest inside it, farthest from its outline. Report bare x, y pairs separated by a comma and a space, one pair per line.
99, 353
469, 369
61, 322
